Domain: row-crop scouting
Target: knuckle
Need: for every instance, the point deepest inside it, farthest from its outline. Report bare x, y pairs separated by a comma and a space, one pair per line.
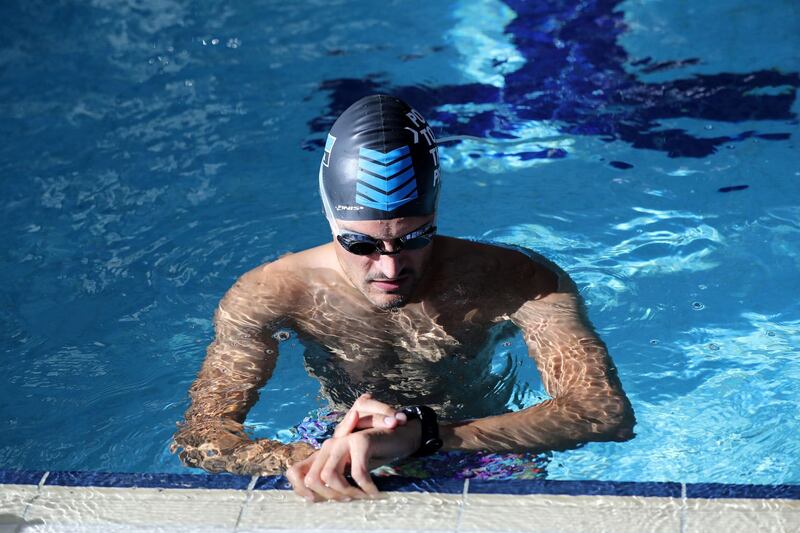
363, 398
326, 476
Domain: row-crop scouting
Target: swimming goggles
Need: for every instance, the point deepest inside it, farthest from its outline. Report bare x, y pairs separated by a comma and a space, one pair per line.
359, 244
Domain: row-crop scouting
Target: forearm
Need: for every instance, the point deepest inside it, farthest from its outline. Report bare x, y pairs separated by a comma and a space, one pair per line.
557, 424
220, 445
212, 437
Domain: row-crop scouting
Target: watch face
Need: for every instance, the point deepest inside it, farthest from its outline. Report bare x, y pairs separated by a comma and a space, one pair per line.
432, 445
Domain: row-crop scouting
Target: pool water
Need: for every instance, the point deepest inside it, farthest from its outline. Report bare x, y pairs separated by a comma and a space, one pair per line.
154, 150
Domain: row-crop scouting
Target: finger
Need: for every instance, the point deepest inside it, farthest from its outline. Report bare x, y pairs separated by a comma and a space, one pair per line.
366, 405
368, 413
348, 423
378, 421
359, 410
359, 457
333, 474
313, 479
295, 476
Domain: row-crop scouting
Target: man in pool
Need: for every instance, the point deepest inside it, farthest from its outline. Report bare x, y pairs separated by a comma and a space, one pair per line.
399, 326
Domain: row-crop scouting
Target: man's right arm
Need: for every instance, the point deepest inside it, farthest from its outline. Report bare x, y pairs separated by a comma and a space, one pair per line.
238, 363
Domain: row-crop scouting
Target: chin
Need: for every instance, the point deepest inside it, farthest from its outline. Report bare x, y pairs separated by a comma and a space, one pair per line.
388, 301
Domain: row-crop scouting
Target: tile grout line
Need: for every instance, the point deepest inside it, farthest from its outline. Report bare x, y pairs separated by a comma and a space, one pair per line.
462, 503
248, 496
683, 507
38, 489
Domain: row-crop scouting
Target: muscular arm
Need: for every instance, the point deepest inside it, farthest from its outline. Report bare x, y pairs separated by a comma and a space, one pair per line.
588, 403
239, 361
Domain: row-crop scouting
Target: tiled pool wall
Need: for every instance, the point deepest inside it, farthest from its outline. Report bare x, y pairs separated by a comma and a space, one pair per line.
98, 501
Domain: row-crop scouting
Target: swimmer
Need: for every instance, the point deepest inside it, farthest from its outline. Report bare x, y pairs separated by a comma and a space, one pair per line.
398, 324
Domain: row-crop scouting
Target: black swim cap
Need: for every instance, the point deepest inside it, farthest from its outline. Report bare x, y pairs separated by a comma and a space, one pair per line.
380, 162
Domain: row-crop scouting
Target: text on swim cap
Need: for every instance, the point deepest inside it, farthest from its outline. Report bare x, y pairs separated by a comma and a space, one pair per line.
427, 133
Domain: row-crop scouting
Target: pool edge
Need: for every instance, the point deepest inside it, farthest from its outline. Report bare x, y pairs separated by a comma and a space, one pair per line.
399, 484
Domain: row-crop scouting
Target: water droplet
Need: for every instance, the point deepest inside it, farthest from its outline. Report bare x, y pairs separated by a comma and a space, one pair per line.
770, 333
233, 43
709, 127
713, 347
702, 287
215, 41
654, 341
697, 306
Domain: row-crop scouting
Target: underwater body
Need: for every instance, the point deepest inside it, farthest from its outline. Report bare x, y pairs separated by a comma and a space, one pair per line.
156, 151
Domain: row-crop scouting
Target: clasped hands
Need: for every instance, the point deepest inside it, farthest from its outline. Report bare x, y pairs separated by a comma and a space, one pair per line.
371, 434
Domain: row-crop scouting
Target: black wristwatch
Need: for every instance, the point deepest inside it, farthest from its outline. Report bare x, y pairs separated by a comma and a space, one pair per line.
430, 442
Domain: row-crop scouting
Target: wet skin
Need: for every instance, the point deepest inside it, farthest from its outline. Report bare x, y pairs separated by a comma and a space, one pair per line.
408, 328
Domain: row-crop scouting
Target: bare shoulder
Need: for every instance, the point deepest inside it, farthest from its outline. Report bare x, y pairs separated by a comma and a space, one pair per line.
278, 285
293, 264
507, 267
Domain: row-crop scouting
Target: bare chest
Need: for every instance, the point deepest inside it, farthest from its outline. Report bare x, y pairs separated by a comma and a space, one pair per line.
413, 333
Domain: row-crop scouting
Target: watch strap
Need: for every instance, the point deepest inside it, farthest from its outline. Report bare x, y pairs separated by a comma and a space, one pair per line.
430, 442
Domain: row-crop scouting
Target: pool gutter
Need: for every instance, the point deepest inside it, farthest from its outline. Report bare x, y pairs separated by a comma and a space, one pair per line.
96, 501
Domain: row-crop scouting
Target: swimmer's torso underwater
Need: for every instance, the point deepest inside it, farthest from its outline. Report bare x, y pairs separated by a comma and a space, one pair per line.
399, 327
436, 351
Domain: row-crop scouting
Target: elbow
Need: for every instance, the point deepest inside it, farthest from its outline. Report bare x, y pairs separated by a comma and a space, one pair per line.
619, 420
608, 419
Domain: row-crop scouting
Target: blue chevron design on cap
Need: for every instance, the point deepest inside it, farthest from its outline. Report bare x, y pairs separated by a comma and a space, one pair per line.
385, 171
380, 157
383, 206
385, 180
386, 185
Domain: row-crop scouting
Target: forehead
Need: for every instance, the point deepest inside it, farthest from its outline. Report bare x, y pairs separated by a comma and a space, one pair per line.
384, 229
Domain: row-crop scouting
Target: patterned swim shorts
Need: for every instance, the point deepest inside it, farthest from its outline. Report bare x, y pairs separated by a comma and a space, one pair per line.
320, 425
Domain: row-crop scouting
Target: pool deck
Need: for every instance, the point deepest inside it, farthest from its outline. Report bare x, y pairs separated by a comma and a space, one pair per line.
100, 502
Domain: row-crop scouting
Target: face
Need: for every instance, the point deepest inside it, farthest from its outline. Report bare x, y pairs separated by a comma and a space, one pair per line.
388, 281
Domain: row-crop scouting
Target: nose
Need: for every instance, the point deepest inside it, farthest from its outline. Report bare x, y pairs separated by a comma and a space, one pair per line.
390, 265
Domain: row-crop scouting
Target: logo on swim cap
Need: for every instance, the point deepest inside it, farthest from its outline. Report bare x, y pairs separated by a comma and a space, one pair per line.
326, 157
385, 180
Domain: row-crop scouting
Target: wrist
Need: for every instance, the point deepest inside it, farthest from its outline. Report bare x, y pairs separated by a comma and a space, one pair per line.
414, 430
429, 441
451, 439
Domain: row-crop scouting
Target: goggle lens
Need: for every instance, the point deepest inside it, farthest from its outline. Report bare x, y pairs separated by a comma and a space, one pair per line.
364, 245
361, 248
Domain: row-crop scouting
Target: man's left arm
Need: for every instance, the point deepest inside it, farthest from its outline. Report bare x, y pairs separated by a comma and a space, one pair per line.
587, 401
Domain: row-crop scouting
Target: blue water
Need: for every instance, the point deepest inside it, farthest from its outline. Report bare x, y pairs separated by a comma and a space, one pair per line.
153, 151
